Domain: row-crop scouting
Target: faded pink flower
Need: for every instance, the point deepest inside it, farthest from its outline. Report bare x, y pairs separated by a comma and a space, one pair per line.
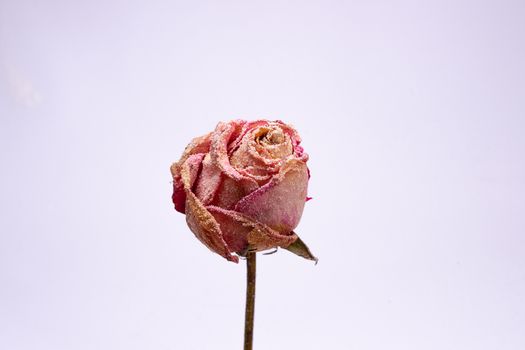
243, 187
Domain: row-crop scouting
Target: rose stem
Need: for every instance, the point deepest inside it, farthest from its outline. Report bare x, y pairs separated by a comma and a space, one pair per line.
250, 300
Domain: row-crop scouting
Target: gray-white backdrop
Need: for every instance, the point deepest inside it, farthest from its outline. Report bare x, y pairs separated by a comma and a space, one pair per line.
412, 113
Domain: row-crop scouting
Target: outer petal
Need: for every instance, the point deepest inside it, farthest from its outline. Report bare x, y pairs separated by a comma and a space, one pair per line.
193, 163
209, 181
219, 155
179, 196
243, 234
198, 145
200, 221
228, 193
280, 203
296, 140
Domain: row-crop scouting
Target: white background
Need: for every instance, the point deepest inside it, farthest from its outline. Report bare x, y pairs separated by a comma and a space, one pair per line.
412, 113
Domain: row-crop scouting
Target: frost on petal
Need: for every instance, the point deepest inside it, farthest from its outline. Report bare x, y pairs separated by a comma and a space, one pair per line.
206, 228
228, 193
190, 170
209, 181
280, 203
199, 145
199, 220
260, 152
295, 139
219, 154
263, 147
233, 229
193, 164
235, 141
263, 237
219, 148
242, 233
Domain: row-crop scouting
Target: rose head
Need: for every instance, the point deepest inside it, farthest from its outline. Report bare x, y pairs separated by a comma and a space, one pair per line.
243, 187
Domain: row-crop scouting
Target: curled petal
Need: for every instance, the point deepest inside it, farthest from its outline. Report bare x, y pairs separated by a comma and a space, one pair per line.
179, 196
242, 233
219, 148
232, 147
228, 193
209, 181
296, 140
280, 203
253, 159
219, 156
190, 170
262, 147
233, 229
206, 228
199, 145
193, 163
199, 220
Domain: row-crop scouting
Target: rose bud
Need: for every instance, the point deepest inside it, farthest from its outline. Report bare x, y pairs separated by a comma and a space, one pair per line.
243, 188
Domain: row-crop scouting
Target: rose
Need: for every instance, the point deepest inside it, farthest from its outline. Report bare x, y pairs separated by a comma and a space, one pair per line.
243, 187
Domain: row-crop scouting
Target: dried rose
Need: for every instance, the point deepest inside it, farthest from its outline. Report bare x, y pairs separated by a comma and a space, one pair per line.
243, 187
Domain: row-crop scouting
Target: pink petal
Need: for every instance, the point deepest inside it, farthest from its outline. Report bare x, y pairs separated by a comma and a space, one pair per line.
233, 231
198, 145
190, 170
193, 163
206, 228
200, 221
228, 193
209, 181
256, 161
234, 144
219, 148
219, 156
179, 197
296, 140
280, 203
242, 233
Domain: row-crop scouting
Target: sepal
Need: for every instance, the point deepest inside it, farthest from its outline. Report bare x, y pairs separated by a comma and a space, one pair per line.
300, 248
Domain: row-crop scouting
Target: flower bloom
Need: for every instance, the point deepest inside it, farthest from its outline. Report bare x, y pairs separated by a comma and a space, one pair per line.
243, 187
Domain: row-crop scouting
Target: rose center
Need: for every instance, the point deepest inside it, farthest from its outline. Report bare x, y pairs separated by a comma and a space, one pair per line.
271, 142
262, 149
270, 136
